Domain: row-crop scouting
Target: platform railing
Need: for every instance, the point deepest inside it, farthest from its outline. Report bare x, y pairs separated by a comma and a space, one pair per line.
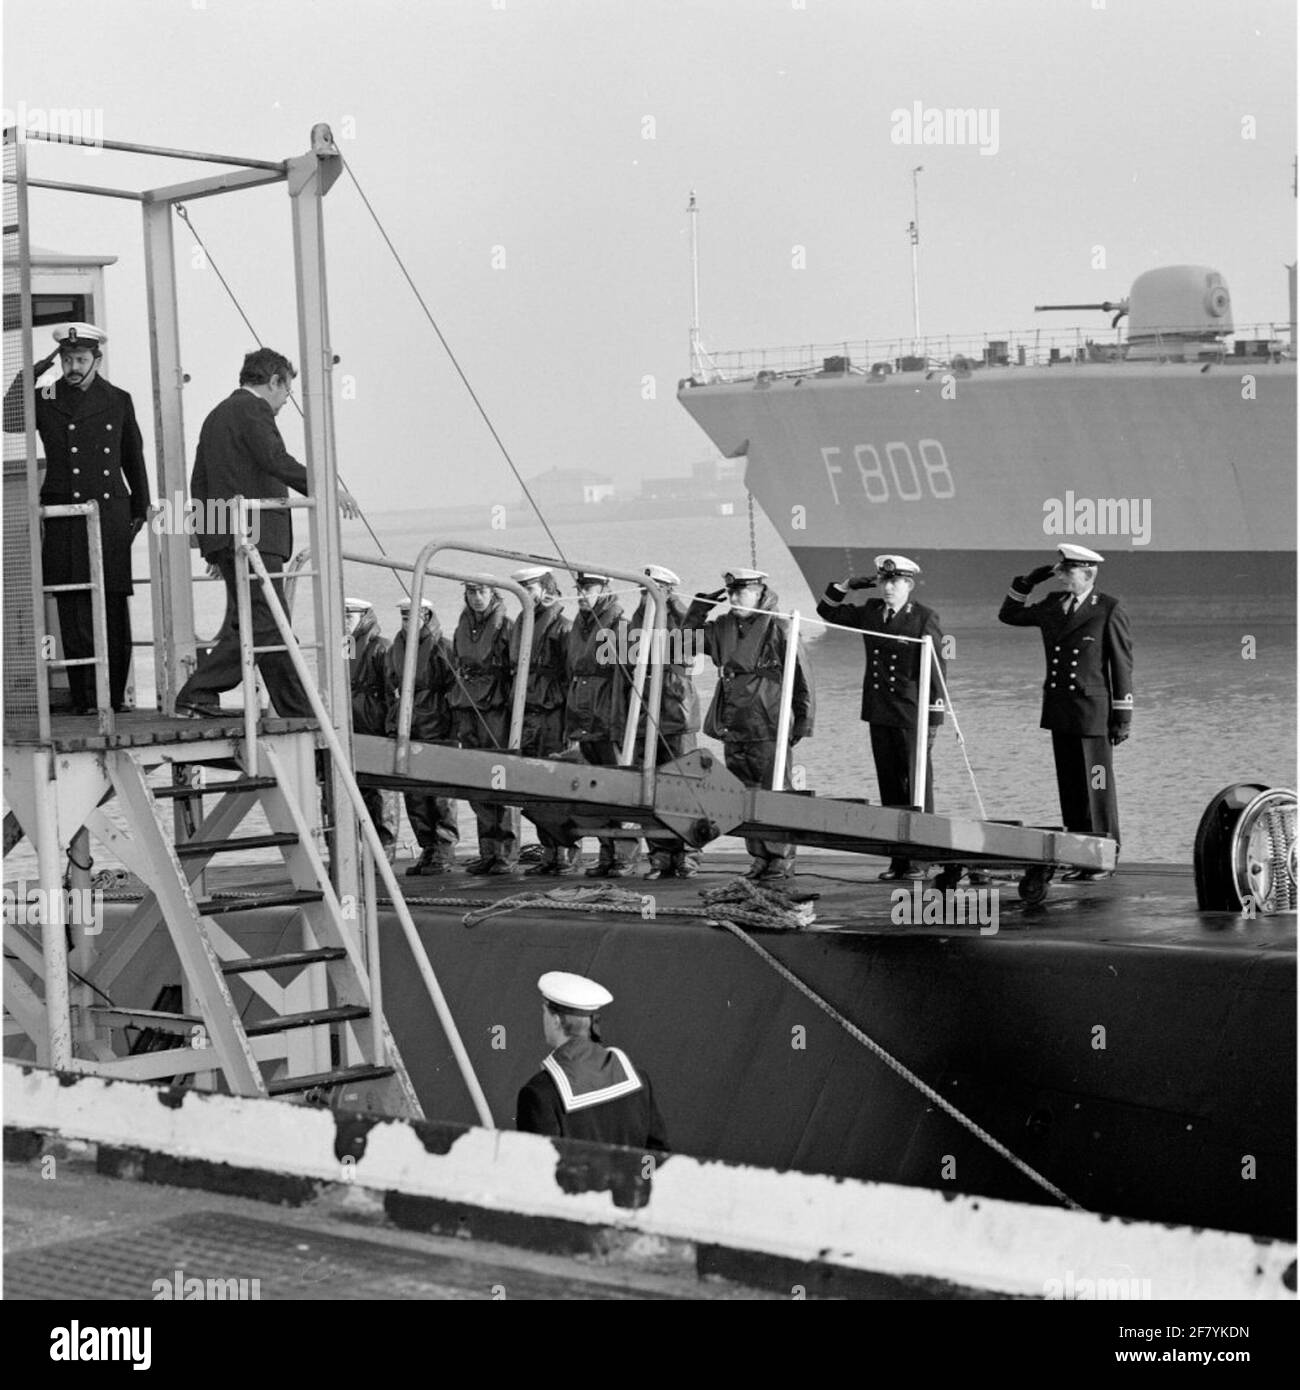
98, 612
642, 580
519, 690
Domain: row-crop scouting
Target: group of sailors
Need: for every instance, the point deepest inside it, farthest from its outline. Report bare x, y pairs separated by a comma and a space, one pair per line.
580, 679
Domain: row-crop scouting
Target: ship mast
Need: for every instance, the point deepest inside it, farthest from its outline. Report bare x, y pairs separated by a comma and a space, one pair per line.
914, 231
699, 358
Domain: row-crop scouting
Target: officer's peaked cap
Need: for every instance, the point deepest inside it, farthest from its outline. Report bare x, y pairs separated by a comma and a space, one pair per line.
357, 605
1079, 555
735, 577
71, 336
889, 565
530, 573
573, 993
426, 605
589, 577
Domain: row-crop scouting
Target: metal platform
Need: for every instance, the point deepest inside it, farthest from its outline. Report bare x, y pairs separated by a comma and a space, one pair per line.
74, 733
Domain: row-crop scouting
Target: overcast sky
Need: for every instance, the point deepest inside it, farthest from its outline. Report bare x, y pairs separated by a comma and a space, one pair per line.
560, 140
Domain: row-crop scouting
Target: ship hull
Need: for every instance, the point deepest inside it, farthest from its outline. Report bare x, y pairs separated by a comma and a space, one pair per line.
1174, 473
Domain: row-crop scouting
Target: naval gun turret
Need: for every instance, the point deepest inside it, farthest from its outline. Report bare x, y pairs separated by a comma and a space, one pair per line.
1177, 313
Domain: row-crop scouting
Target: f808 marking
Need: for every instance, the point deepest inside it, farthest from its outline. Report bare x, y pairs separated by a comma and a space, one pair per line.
907, 486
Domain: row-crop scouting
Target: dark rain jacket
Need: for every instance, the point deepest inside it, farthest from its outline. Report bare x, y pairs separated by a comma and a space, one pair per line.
679, 711
369, 675
749, 649
480, 651
430, 714
548, 667
599, 683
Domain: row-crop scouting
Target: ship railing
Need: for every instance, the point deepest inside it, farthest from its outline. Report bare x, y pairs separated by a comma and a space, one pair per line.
1035, 347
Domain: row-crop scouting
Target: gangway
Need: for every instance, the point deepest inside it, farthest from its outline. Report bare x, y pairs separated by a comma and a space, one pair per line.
695, 798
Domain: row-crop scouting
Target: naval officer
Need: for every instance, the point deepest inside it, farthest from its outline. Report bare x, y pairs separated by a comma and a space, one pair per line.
586, 1090
890, 683
1088, 692
93, 453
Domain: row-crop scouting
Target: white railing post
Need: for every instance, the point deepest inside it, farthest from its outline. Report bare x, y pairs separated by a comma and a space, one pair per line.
922, 724
787, 694
247, 637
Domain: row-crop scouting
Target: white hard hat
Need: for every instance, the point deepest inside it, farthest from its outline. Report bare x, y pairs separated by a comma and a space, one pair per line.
660, 575
1079, 555
575, 993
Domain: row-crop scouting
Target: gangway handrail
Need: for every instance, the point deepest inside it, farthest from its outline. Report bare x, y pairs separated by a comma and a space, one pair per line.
519, 692
98, 611
252, 559
643, 580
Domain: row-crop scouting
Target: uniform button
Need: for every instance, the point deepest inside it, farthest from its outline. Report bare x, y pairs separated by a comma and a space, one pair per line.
108, 427
76, 497
74, 448
76, 470
106, 497
72, 427
1056, 649
107, 450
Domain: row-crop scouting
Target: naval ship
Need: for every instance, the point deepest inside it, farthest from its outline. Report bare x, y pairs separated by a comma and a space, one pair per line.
1169, 447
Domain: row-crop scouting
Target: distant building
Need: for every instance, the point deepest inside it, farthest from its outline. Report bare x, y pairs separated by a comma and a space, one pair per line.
709, 479
563, 487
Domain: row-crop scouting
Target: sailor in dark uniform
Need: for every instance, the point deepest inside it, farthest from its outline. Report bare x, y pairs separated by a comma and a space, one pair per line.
1088, 693
889, 686
586, 1090
93, 453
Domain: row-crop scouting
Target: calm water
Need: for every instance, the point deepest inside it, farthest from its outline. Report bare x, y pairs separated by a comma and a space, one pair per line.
1205, 717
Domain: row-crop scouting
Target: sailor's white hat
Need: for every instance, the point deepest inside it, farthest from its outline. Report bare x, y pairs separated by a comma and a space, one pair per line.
530, 573
75, 335
897, 564
1079, 555
589, 577
426, 604
739, 576
357, 605
575, 993
660, 575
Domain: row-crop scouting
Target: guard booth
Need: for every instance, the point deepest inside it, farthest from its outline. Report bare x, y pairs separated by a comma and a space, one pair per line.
64, 288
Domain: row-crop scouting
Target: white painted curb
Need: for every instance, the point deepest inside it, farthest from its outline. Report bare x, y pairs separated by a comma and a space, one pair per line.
1002, 1247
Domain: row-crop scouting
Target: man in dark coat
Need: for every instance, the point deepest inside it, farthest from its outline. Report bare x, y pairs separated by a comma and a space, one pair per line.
600, 681
433, 818
1088, 693
479, 698
679, 714
748, 645
584, 1089
93, 453
368, 649
548, 685
241, 453
890, 684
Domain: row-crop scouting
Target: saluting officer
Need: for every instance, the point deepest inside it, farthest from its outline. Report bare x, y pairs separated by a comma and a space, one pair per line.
1088, 693
890, 685
584, 1089
93, 453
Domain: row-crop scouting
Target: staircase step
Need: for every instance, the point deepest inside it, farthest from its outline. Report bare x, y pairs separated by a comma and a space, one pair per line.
215, 907
282, 961
328, 1078
343, 1014
193, 849
236, 784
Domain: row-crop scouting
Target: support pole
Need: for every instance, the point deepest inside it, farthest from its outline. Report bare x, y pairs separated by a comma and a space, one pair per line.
922, 724
247, 637
57, 1049
787, 696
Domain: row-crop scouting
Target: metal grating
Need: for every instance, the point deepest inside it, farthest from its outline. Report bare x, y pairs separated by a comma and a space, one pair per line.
20, 653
